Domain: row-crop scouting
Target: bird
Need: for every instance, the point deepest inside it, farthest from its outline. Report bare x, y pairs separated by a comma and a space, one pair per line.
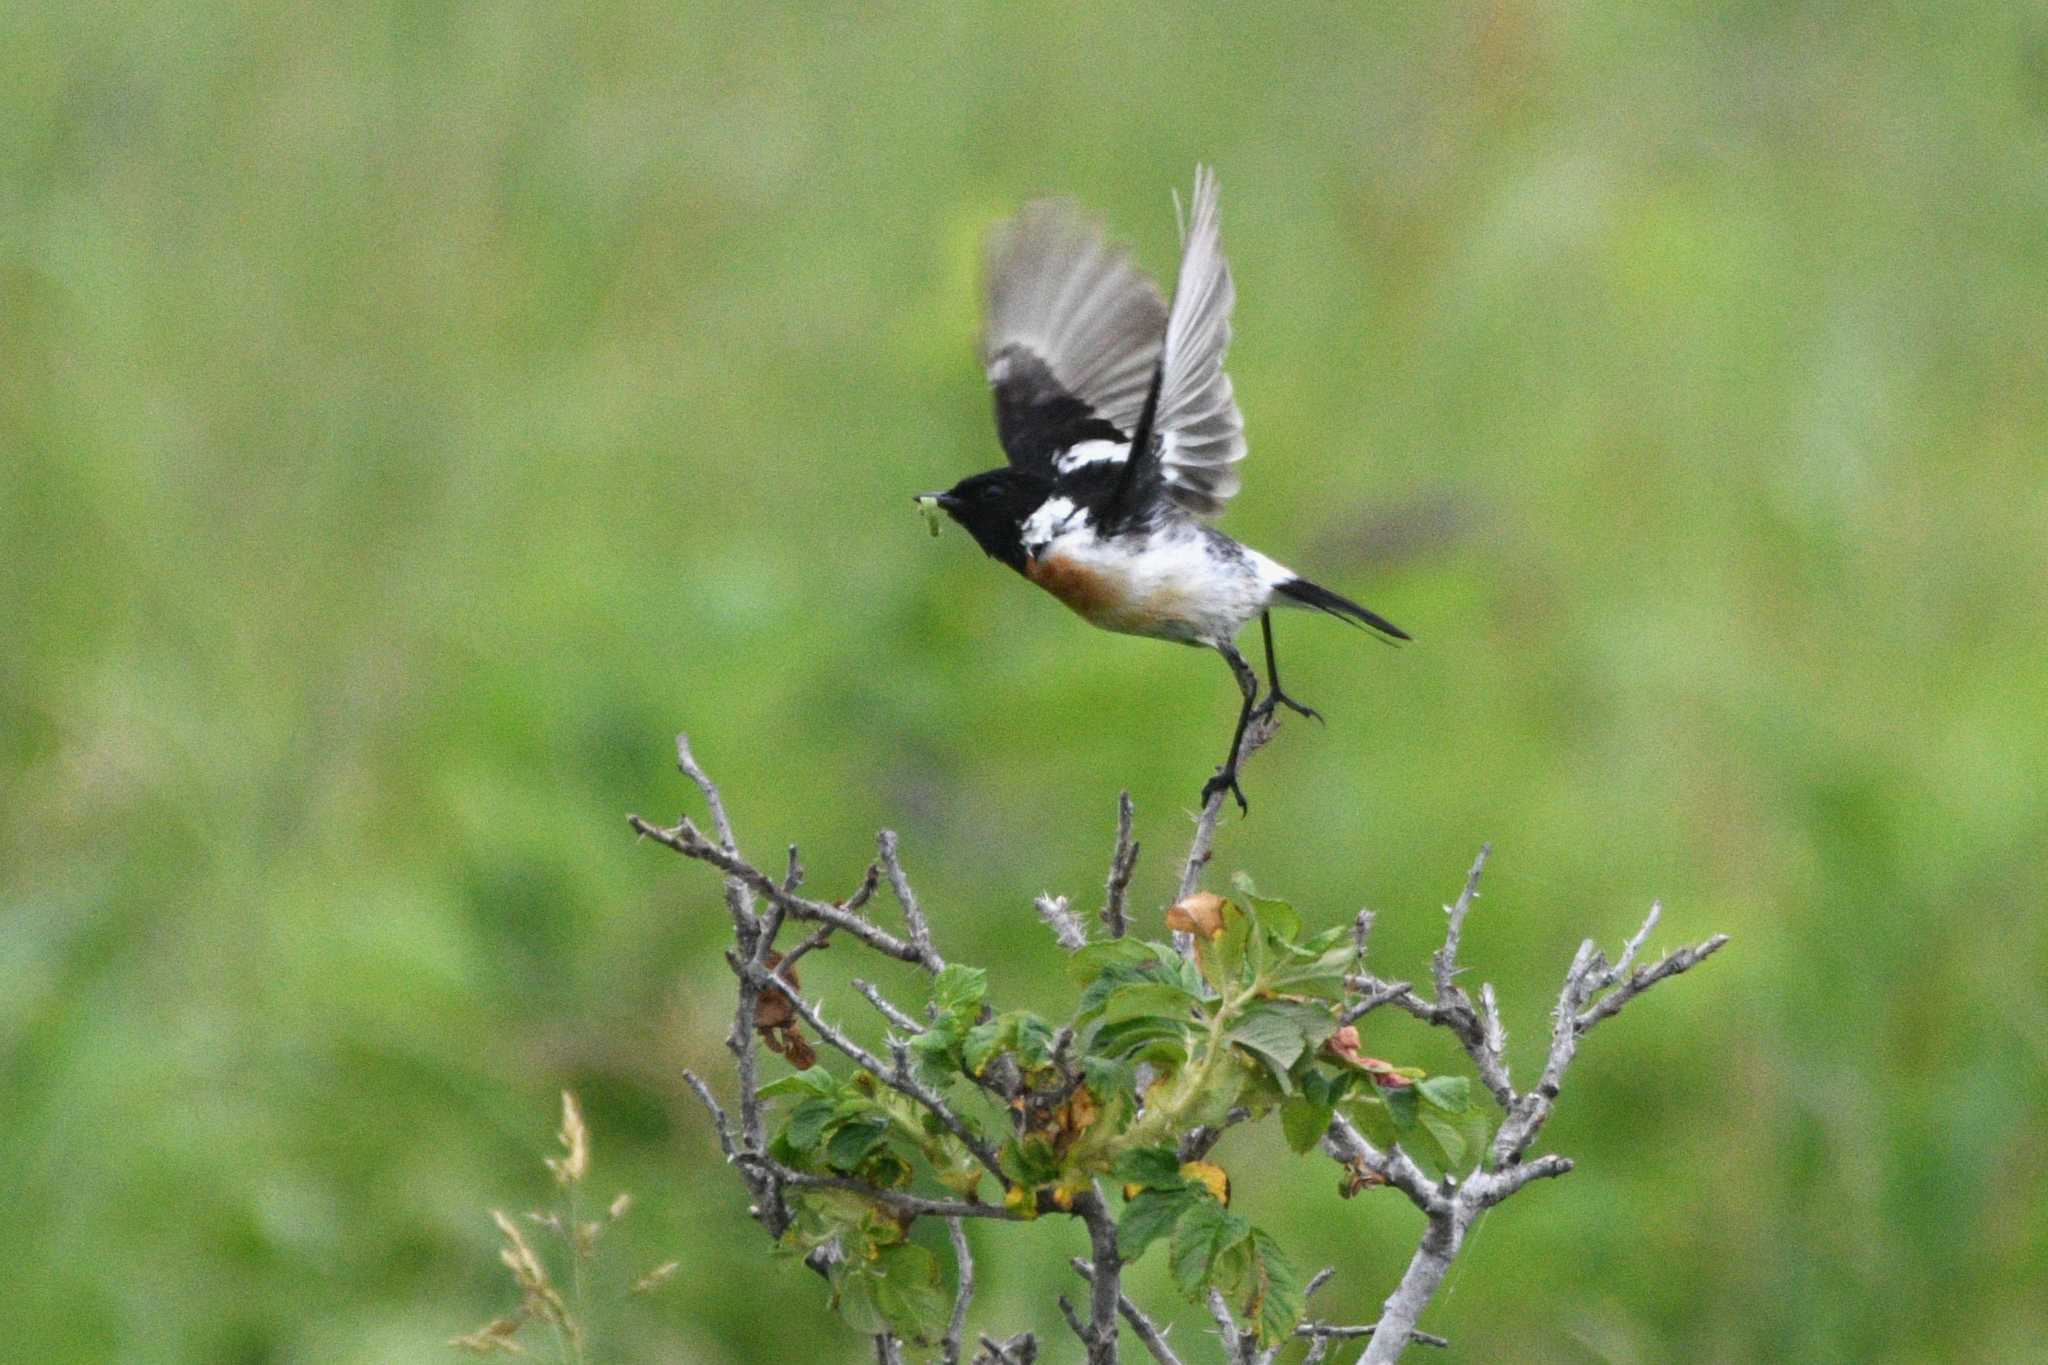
1122, 438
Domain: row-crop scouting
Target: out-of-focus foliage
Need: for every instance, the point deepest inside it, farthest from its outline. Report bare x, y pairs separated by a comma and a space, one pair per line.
411, 415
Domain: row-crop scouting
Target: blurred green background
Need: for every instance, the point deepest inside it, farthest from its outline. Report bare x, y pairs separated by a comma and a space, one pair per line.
412, 415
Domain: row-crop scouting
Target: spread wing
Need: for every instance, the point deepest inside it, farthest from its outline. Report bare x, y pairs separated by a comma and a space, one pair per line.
1072, 334
1201, 432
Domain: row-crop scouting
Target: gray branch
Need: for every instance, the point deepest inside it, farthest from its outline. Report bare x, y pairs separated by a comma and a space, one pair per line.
963, 1294
1593, 990
913, 913
689, 841
737, 901
1105, 1278
888, 1011
1256, 734
1066, 926
1147, 1331
1121, 864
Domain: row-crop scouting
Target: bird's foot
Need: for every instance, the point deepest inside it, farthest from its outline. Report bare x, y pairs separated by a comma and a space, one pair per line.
1225, 781
1278, 698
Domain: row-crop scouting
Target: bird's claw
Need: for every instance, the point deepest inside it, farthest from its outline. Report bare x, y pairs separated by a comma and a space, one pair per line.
1222, 782
1276, 699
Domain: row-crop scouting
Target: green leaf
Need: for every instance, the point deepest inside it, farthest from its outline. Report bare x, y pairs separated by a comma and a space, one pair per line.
1316, 944
1109, 1079
909, 1292
1452, 1094
806, 1124
1323, 1086
1279, 1032
1202, 1238
1226, 1087
1477, 1126
983, 1041
1304, 1122
853, 1141
1276, 1299
1149, 999
1421, 1143
1090, 962
1374, 1121
1156, 1168
815, 1081
853, 1295
1279, 919
1224, 961
1312, 973
936, 1050
1401, 1106
1150, 1217
1119, 1036
957, 988
1034, 1040
1447, 1136
1030, 1161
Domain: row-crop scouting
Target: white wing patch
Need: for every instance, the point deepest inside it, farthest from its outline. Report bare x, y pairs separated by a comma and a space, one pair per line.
1092, 452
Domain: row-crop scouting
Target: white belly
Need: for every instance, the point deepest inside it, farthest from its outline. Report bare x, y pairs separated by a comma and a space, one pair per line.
1172, 584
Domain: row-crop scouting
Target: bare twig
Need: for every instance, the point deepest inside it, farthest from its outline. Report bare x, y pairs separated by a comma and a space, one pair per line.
1394, 1167
718, 1123
1105, 1279
1236, 1346
1480, 1034
1197, 1142
1376, 993
1066, 926
963, 1294
913, 913
1452, 1208
1121, 864
1445, 961
888, 1011
1684, 959
1074, 1323
689, 841
1256, 734
1147, 1331
1323, 1331
737, 901
1021, 1349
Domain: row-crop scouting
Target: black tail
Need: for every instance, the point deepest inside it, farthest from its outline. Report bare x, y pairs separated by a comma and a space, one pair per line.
1322, 599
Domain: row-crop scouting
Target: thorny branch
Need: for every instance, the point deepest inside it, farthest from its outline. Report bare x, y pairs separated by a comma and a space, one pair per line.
1256, 734
1593, 990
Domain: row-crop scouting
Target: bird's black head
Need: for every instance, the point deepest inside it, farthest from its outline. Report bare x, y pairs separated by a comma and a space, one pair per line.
993, 507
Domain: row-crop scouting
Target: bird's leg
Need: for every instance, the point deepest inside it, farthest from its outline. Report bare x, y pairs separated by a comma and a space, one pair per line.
1274, 696
1247, 683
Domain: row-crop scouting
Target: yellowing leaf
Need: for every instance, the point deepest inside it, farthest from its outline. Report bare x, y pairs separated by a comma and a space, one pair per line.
1211, 1175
